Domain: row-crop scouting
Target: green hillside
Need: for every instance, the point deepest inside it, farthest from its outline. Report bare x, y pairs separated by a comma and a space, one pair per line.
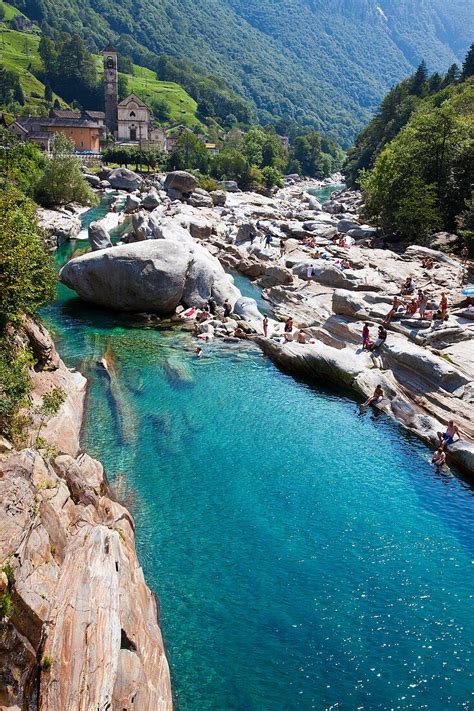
19, 52
145, 84
326, 63
182, 107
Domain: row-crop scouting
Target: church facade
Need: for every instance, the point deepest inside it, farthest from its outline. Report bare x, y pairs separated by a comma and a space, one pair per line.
129, 120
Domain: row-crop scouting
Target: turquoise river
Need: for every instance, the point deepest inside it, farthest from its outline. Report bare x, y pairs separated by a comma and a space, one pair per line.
306, 556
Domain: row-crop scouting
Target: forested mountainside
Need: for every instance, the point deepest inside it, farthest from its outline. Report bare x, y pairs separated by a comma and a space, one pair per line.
415, 159
322, 63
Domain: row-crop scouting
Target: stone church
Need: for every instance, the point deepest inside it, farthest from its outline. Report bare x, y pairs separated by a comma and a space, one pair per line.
129, 120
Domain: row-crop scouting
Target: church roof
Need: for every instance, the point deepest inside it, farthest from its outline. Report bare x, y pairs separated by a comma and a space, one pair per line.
109, 48
134, 98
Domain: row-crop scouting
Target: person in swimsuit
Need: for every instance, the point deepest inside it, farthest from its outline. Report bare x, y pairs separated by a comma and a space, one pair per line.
227, 308
289, 325
375, 398
265, 326
408, 287
393, 310
447, 438
412, 308
422, 303
211, 303
380, 340
438, 458
443, 307
366, 342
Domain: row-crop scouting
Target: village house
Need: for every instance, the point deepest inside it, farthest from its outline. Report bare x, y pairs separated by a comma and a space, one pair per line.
84, 132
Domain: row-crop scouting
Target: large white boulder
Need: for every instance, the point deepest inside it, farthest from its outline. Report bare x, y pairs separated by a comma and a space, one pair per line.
154, 275
181, 181
124, 179
247, 309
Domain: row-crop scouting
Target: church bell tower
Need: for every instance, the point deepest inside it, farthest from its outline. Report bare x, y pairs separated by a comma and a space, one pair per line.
110, 88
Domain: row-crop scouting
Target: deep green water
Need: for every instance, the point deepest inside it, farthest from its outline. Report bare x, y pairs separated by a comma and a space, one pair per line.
305, 556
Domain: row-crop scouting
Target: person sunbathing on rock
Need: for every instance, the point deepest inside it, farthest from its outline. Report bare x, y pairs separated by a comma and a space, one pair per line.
412, 308
439, 458
376, 398
447, 438
427, 263
301, 337
395, 305
408, 287
380, 340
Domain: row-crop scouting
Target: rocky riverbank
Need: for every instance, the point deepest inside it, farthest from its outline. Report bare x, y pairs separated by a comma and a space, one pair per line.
320, 265
81, 627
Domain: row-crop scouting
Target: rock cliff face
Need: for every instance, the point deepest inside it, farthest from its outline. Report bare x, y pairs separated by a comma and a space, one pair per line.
81, 630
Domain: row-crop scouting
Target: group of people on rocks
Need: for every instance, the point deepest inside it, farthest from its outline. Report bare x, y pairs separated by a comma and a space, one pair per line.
446, 438
408, 307
368, 344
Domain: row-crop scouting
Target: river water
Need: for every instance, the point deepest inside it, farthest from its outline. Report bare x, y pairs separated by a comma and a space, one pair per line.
305, 556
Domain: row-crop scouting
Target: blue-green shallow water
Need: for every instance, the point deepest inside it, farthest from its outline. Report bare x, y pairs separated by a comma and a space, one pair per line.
304, 556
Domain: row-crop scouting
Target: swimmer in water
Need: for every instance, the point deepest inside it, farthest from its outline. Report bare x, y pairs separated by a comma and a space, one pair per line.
439, 458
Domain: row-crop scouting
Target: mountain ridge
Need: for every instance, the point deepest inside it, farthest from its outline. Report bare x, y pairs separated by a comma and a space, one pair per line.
314, 62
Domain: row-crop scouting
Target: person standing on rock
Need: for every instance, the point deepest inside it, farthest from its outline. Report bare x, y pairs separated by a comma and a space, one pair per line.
443, 307
211, 302
282, 248
422, 303
268, 240
265, 326
227, 308
366, 342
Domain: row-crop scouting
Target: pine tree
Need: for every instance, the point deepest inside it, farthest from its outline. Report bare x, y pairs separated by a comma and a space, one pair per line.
48, 93
419, 79
451, 76
468, 66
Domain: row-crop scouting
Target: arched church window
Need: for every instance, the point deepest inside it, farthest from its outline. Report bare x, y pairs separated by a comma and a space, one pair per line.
132, 114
